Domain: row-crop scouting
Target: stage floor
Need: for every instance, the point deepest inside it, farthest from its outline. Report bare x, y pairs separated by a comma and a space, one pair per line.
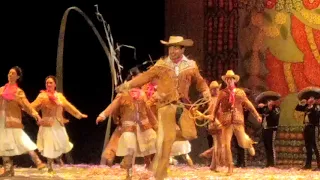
175, 173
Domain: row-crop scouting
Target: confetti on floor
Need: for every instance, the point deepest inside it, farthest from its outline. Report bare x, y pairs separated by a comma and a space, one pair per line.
181, 172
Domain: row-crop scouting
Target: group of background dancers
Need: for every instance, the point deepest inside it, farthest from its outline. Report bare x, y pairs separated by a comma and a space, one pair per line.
171, 76
155, 117
52, 138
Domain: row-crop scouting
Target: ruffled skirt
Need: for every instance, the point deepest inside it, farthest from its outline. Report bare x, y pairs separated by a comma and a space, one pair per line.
53, 141
142, 143
180, 148
13, 141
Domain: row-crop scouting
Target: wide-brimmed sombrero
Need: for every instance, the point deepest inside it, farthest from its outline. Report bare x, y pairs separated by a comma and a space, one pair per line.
214, 84
266, 96
308, 92
177, 41
230, 74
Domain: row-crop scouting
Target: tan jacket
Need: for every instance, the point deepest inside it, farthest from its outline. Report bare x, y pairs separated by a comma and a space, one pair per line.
173, 80
51, 111
131, 112
13, 108
233, 115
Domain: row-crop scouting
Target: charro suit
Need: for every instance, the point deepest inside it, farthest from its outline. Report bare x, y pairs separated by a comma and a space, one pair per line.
174, 80
311, 132
232, 119
270, 124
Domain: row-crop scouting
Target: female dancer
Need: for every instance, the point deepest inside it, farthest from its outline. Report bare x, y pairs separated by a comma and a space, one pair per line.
181, 148
138, 139
110, 151
53, 140
13, 140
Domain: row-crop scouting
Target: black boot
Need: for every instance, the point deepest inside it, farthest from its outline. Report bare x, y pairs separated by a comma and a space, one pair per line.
8, 167
241, 158
308, 162
307, 166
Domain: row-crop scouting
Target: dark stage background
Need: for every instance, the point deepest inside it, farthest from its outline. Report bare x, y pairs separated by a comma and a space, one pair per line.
29, 40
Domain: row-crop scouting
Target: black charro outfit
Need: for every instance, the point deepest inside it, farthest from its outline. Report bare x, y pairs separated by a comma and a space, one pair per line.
311, 132
270, 124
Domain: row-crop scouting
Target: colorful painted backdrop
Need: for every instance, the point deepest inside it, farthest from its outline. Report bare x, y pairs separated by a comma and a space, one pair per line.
279, 43
272, 44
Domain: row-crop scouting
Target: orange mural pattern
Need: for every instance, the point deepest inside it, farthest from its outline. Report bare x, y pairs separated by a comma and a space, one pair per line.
305, 73
288, 26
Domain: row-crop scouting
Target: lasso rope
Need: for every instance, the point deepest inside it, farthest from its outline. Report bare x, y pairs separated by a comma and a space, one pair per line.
59, 66
110, 54
196, 105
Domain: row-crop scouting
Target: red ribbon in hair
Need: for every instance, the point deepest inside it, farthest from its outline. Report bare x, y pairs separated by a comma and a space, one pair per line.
10, 91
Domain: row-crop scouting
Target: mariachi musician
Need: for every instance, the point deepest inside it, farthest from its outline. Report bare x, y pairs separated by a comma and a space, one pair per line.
268, 106
309, 98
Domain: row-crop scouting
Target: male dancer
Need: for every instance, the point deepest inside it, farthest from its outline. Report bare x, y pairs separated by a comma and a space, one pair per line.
230, 101
175, 74
268, 107
216, 152
311, 123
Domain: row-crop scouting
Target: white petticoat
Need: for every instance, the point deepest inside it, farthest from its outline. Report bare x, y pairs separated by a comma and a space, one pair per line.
53, 141
180, 148
13, 141
142, 145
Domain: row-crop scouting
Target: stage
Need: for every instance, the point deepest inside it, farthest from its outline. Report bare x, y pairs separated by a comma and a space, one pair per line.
176, 172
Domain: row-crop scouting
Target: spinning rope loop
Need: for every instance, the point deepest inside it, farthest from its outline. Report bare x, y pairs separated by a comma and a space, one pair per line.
110, 53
